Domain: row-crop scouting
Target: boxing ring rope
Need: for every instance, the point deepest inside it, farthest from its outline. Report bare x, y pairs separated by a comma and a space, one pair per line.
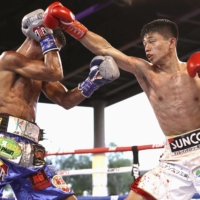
94, 171
134, 149
105, 150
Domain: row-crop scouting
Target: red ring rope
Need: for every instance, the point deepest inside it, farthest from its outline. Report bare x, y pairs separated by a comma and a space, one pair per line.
106, 149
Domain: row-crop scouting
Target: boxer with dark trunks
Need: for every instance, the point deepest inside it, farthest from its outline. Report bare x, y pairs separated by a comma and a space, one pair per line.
173, 90
34, 68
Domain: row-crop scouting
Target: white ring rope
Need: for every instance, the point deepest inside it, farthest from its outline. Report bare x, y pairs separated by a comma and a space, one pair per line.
116, 170
108, 170
94, 171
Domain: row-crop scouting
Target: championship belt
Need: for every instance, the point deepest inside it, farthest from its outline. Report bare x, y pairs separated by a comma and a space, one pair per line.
25, 155
33, 155
20, 127
21, 153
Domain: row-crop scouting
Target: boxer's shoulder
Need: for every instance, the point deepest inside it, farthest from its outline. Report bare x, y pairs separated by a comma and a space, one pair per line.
11, 60
9, 56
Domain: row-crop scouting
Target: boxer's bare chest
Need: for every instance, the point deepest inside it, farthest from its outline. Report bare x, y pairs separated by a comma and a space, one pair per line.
27, 89
174, 88
19, 97
175, 99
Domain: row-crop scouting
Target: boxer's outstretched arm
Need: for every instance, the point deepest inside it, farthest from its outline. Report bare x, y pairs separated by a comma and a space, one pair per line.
32, 69
99, 46
57, 15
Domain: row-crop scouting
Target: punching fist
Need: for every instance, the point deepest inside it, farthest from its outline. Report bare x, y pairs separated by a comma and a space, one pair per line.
56, 15
103, 70
33, 27
193, 65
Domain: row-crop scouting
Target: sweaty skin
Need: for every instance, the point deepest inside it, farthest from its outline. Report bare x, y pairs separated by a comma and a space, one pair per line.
26, 73
19, 95
173, 94
23, 77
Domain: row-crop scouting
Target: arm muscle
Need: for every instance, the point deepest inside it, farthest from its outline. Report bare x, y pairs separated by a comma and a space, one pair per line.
58, 94
33, 69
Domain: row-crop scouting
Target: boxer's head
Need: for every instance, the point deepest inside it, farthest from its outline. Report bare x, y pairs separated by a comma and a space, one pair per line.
164, 27
59, 38
160, 40
59, 35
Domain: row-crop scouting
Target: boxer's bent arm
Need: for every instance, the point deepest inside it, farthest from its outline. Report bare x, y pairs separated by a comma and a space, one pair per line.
59, 94
49, 70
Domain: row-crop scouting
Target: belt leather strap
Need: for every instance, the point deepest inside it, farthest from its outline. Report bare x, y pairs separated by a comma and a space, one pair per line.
20, 127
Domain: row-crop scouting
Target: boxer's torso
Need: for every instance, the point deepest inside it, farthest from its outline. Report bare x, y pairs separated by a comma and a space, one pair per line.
19, 95
175, 98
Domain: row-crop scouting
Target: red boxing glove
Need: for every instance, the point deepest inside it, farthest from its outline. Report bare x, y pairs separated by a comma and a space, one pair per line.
193, 65
56, 15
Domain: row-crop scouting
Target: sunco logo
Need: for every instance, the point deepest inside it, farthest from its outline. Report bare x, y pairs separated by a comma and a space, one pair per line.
185, 141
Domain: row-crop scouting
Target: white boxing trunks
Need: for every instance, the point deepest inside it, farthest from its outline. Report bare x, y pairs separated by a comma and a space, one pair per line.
177, 177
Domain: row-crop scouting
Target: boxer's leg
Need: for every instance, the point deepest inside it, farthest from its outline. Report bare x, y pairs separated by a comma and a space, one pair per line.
71, 198
42, 185
132, 195
141, 188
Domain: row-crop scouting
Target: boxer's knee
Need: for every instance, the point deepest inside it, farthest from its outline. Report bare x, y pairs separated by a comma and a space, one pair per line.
134, 196
71, 198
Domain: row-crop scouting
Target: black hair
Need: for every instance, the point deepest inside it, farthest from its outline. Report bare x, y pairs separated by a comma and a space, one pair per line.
164, 27
58, 33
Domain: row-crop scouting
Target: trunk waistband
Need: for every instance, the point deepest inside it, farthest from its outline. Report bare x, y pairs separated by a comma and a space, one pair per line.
184, 143
20, 127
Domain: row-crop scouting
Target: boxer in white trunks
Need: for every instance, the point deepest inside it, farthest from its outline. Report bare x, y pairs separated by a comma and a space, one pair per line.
173, 91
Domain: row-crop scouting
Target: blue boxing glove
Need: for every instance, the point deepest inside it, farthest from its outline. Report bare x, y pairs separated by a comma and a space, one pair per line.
103, 70
33, 27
